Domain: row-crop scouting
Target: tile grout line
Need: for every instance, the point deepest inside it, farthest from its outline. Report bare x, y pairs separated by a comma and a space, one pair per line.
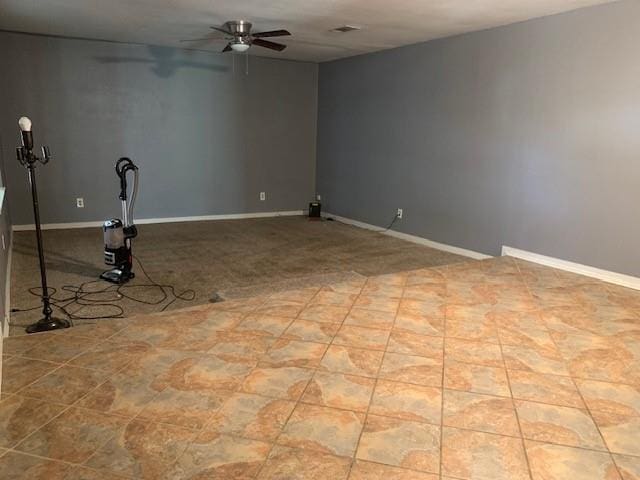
608, 451
604, 441
238, 389
200, 355
575, 384
342, 409
198, 431
355, 300
77, 401
133, 418
274, 443
375, 386
49, 459
515, 410
442, 381
67, 407
586, 407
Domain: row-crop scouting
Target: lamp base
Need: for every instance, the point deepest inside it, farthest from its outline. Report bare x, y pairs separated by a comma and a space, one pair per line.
47, 324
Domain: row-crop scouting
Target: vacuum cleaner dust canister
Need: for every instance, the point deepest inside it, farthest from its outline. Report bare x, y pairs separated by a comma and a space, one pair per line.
113, 233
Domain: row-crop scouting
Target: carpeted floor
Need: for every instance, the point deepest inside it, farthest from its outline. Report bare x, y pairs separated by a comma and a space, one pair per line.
491, 370
234, 258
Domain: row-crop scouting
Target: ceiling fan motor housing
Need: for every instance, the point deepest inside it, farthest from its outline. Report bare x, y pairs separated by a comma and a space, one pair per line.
239, 28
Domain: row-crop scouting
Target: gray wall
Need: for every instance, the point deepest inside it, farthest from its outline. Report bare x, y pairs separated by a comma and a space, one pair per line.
526, 135
207, 139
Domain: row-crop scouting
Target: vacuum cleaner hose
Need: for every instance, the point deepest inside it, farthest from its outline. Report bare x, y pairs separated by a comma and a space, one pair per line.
134, 194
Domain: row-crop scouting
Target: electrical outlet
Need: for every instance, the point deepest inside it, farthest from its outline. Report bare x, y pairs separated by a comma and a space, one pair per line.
263, 196
399, 214
79, 202
318, 197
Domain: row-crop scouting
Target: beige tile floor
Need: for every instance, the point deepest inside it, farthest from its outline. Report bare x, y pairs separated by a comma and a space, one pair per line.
493, 370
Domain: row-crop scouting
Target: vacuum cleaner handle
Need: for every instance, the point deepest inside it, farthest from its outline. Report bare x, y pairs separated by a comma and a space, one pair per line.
120, 162
123, 165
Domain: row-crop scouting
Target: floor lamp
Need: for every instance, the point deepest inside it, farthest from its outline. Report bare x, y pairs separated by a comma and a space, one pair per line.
28, 159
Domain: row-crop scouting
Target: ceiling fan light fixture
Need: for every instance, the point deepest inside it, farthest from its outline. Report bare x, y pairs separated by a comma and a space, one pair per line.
240, 47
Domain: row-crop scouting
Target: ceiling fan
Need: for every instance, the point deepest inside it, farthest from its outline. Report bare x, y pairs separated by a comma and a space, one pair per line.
239, 36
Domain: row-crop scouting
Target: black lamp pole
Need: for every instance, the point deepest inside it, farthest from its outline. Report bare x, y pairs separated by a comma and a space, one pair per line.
28, 159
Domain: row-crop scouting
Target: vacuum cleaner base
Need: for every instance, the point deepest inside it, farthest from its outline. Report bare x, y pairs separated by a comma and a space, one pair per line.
117, 276
47, 324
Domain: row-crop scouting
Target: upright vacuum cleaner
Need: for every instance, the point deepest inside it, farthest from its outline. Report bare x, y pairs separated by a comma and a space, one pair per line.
119, 233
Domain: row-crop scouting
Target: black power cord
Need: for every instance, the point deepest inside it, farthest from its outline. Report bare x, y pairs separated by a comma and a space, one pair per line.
382, 230
395, 218
87, 298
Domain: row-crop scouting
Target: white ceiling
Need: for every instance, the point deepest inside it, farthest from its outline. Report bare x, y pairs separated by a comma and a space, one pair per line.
385, 23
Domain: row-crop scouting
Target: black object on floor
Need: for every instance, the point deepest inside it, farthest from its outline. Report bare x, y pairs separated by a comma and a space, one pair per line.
314, 209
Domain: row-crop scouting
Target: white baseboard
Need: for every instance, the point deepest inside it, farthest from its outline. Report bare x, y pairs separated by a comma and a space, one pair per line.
144, 221
411, 238
7, 290
57, 226
593, 272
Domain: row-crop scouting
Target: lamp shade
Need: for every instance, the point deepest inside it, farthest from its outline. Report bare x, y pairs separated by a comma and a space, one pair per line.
240, 47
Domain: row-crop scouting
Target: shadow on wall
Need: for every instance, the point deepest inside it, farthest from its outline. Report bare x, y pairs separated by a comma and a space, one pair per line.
167, 63
164, 62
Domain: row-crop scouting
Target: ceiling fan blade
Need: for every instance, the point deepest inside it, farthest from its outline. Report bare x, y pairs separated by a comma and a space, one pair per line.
271, 33
219, 29
267, 44
227, 48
